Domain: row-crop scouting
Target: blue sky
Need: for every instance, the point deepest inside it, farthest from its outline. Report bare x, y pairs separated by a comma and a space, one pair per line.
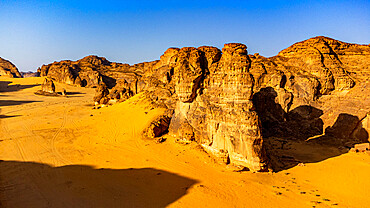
33, 33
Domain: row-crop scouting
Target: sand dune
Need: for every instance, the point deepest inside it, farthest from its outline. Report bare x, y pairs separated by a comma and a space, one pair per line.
59, 152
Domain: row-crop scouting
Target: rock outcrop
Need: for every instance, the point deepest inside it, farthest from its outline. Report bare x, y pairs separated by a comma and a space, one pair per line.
158, 126
230, 102
8, 69
29, 74
47, 88
101, 96
86, 72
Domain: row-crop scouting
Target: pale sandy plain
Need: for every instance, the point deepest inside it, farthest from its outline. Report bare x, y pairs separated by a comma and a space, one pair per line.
59, 152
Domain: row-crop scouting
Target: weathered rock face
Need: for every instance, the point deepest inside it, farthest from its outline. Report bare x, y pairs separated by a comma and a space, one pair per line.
242, 98
8, 69
218, 113
29, 74
158, 126
101, 95
87, 72
48, 86
188, 73
320, 57
122, 91
232, 123
362, 129
232, 102
305, 74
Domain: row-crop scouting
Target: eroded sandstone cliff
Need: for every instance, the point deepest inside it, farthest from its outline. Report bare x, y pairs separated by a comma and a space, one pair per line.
232, 103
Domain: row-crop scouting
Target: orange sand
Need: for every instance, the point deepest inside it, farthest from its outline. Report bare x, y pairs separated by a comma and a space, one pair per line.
59, 152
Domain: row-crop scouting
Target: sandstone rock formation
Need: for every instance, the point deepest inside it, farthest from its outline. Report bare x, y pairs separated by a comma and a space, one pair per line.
122, 91
8, 69
101, 96
158, 126
230, 102
29, 74
47, 88
86, 72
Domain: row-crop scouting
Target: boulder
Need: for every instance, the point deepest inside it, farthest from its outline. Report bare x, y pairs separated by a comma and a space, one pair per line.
122, 91
158, 126
101, 95
47, 88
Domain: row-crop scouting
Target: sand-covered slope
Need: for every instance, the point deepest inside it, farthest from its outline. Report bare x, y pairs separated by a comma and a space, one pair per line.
59, 152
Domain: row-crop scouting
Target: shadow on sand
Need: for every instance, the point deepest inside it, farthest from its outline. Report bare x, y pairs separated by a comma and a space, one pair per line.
5, 87
3, 116
29, 184
74, 93
14, 102
298, 136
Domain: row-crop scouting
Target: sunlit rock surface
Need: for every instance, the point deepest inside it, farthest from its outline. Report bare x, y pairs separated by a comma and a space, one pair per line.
8, 69
231, 102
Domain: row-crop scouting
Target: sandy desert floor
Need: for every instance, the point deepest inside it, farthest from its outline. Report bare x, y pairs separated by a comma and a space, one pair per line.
60, 152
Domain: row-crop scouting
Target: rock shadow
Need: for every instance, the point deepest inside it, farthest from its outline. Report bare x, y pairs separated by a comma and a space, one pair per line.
4, 116
345, 132
74, 93
15, 102
298, 136
109, 81
29, 184
299, 123
5, 87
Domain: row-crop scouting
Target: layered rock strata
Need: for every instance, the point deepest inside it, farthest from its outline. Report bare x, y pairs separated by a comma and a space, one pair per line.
230, 102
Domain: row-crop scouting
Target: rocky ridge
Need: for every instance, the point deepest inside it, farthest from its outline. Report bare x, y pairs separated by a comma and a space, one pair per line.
231, 102
8, 69
29, 74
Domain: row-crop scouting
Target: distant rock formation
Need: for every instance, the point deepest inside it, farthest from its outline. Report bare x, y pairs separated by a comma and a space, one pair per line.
8, 69
29, 74
86, 72
230, 102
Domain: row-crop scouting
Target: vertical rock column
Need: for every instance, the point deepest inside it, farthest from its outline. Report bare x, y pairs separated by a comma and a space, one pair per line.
233, 125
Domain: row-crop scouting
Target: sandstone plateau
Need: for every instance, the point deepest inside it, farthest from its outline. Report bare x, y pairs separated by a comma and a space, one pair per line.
236, 105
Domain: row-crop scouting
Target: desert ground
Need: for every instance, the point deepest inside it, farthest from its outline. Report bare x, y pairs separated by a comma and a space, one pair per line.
60, 152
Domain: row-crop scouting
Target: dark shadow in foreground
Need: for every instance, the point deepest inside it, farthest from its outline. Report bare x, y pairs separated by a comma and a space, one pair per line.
298, 136
4, 116
5, 87
30, 184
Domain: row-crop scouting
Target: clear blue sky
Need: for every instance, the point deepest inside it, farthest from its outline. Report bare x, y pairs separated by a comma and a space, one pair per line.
37, 32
